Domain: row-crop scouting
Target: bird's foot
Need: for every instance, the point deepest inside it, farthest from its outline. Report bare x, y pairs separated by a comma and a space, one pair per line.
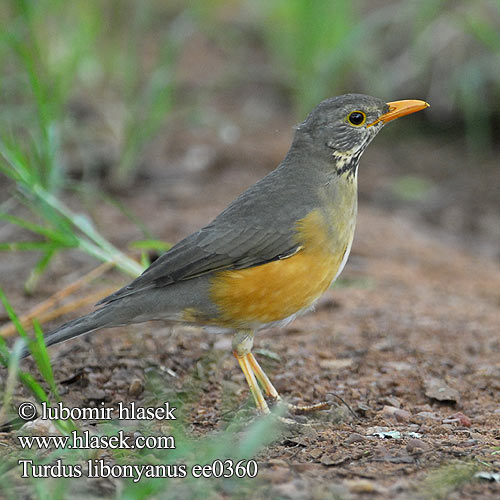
304, 409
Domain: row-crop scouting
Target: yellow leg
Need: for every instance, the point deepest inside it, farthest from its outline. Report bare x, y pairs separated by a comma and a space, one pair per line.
252, 383
242, 346
263, 378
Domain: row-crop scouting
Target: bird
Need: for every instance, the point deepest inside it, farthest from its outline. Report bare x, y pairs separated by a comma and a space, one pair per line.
270, 255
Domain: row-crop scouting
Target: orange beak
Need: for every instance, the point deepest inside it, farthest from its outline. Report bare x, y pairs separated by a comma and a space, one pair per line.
400, 108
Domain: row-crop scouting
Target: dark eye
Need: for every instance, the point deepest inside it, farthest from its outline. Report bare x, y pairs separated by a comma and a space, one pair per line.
356, 118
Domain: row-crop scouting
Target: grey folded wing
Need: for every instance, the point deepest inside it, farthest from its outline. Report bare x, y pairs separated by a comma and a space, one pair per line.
215, 247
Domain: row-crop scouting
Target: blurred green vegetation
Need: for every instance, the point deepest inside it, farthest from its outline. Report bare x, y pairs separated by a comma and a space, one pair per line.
410, 188
63, 61
313, 43
446, 479
122, 56
57, 55
446, 53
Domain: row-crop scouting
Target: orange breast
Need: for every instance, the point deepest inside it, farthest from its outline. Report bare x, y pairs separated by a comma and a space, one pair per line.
278, 289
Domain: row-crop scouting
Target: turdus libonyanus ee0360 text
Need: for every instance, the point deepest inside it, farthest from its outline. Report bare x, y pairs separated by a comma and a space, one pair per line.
272, 252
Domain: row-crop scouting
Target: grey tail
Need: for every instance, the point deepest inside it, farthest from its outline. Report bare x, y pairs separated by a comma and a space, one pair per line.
93, 321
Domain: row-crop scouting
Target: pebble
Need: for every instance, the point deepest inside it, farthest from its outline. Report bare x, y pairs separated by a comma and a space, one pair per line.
393, 401
381, 452
436, 388
427, 414
316, 453
460, 418
396, 413
335, 364
136, 387
417, 446
95, 394
470, 442
355, 438
39, 426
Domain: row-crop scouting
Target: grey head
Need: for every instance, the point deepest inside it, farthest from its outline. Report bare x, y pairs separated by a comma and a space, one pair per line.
343, 125
339, 129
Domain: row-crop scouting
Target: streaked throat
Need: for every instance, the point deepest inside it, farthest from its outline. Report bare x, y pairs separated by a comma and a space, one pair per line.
346, 163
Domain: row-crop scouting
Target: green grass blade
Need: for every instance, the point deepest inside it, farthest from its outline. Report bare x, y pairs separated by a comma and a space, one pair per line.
7, 357
13, 316
41, 357
20, 246
42, 360
39, 269
67, 240
154, 245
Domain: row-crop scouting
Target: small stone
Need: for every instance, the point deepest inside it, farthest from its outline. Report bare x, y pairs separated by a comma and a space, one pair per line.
428, 415
417, 446
315, 453
445, 428
488, 475
470, 442
402, 415
384, 433
298, 440
335, 364
95, 394
309, 432
376, 430
355, 438
393, 401
462, 419
396, 413
39, 427
438, 389
334, 459
362, 409
136, 387
328, 460
400, 366
413, 434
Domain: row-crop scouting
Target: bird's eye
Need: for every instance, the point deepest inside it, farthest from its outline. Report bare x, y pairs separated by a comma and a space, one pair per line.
356, 118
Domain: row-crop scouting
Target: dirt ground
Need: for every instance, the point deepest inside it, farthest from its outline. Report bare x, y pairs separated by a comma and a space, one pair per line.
409, 337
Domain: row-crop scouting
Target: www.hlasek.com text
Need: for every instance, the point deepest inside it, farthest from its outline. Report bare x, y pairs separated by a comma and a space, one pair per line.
90, 441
